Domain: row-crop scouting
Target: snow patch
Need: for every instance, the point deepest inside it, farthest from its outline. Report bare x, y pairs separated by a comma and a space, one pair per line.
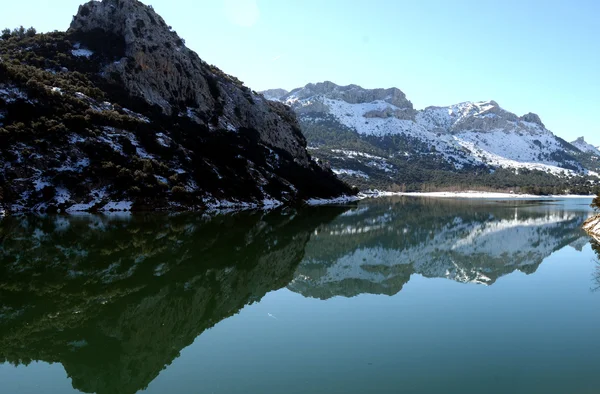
62, 195
163, 140
340, 171
329, 201
77, 51
12, 94
117, 206
136, 115
82, 53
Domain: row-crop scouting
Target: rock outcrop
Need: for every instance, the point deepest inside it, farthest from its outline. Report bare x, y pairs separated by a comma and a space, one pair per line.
592, 227
352, 94
274, 94
532, 118
159, 68
581, 144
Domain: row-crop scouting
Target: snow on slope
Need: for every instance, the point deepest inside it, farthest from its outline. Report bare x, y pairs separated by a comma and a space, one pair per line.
522, 145
583, 146
469, 133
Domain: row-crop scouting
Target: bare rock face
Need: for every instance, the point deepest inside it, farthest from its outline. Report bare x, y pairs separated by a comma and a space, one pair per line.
532, 118
158, 57
400, 113
488, 116
274, 94
320, 92
353, 94
159, 68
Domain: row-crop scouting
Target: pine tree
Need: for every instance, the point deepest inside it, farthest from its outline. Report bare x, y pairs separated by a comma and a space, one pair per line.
6, 34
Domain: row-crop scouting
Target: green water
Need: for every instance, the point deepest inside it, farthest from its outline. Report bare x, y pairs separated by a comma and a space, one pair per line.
388, 296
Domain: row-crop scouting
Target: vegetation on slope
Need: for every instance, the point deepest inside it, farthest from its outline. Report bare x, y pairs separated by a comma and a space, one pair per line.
70, 134
427, 171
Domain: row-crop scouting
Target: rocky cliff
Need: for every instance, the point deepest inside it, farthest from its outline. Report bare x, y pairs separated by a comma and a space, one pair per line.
117, 113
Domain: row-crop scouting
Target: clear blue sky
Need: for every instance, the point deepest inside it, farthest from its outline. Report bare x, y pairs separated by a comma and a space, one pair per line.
539, 56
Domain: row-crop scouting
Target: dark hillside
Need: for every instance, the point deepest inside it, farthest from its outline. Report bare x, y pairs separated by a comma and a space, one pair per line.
117, 113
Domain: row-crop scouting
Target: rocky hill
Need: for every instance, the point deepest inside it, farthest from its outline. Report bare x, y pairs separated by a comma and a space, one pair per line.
375, 138
117, 113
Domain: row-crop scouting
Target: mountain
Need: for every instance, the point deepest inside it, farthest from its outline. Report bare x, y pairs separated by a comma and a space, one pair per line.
377, 247
583, 146
375, 138
275, 94
117, 113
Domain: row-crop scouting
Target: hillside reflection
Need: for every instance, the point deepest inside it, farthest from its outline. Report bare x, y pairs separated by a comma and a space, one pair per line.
115, 300
376, 248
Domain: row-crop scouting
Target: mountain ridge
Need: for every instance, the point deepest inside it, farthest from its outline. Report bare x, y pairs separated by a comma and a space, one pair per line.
477, 137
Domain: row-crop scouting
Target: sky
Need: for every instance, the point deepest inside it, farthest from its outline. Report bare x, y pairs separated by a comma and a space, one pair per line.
540, 56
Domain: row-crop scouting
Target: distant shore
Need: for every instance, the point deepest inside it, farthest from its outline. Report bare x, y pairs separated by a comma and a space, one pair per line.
472, 194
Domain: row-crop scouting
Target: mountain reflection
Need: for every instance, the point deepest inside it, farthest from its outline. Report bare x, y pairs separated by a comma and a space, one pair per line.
375, 248
115, 299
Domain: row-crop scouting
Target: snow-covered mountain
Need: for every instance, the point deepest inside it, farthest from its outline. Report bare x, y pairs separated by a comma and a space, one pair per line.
346, 125
581, 144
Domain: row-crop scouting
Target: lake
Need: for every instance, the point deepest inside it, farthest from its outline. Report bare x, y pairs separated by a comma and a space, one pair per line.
388, 295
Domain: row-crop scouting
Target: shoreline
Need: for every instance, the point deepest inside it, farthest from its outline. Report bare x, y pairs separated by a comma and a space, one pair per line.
473, 195
228, 207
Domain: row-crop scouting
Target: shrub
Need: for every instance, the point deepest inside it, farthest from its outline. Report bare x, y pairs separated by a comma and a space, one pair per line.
178, 190
596, 203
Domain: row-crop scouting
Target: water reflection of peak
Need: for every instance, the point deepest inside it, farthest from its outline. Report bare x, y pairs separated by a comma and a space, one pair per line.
375, 248
115, 300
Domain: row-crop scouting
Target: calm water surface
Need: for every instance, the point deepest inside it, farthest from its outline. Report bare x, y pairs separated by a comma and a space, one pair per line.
397, 295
